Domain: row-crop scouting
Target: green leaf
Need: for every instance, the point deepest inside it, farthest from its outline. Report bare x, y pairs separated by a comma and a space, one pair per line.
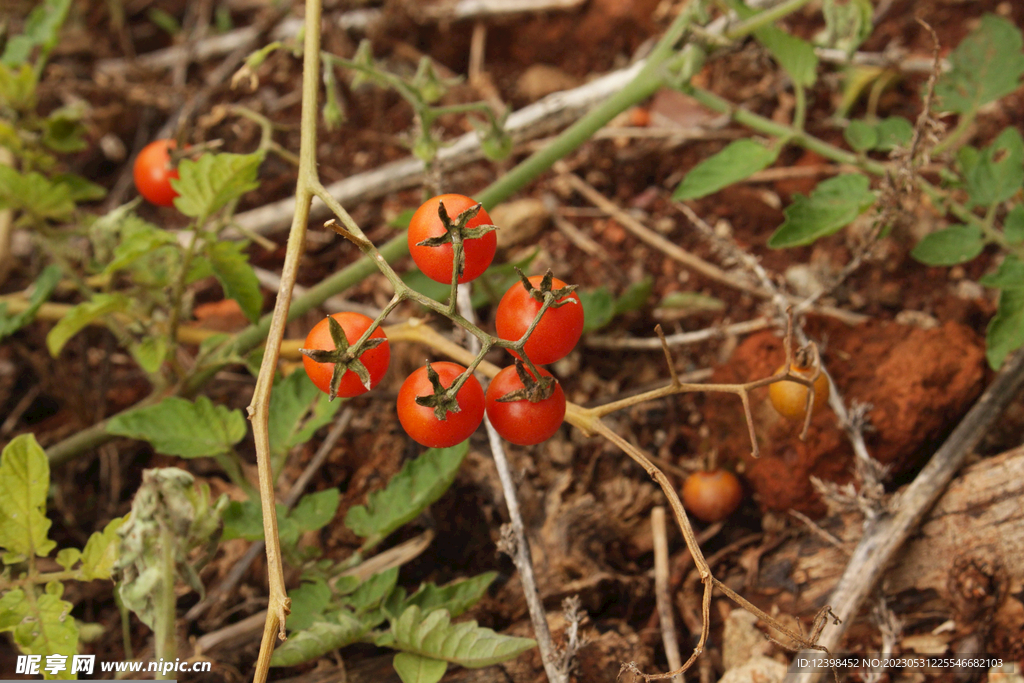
1009, 275
100, 552
834, 204
455, 597
34, 194
692, 302
231, 267
67, 557
412, 490
24, 484
740, 159
893, 131
997, 172
244, 519
598, 308
207, 184
150, 353
42, 29
316, 510
793, 54
136, 239
416, 669
433, 635
176, 426
18, 85
950, 246
319, 639
41, 291
985, 66
81, 315
847, 24
861, 136
372, 591
1013, 225
47, 628
635, 297
292, 400
309, 602
1006, 330
63, 131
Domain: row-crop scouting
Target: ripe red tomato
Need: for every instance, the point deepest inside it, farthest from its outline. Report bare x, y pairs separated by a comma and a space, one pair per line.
153, 173
790, 398
557, 332
421, 423
523, 422
376, 359
437, 262
712, 496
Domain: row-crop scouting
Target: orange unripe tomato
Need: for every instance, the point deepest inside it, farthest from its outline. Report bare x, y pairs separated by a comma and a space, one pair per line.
790, 398
713, 495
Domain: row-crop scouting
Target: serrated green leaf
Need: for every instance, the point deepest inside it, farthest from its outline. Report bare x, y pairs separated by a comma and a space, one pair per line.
63, 130
24, 484
207, 184
12, 609
316, 510
231, 268
598, 308
847, 24
985, 66
81, 315
740, 159
176, 426
18, 82
34, 194
309, 602
136, 239
1013, 225
373, 590
1009, 275
319, 639
41, 291
433, 635
48, 629
244, 519
416, 486
1005, 330
100, 552
793, 54
413, 668
292, 400
455, 597
833, 205
893, 131
861, 136
997, 172
950, 246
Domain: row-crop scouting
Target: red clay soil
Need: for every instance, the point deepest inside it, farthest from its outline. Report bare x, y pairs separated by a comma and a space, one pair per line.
917, 381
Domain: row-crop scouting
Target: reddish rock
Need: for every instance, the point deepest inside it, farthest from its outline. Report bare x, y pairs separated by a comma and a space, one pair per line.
919, 383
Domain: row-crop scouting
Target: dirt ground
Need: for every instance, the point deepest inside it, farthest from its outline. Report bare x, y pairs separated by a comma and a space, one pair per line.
917, 360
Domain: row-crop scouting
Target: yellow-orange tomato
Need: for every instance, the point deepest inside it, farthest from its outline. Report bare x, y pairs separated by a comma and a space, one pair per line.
712, 496
790, 398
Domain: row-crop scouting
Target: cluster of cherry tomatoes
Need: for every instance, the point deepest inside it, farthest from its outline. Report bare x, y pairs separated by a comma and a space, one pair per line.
440, 404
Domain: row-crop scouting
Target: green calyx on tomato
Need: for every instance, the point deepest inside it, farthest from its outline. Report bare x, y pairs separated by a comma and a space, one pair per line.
555, 332
440, 243
345, 356
533, 390
524, 410
437, 417
443, 400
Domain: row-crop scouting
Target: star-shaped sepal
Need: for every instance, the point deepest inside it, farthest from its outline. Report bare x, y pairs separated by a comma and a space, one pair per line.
440, 400
533, 390
545, 287
456, 232
343, 356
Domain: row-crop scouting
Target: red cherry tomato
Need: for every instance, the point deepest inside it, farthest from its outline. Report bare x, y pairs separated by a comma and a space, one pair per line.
437, 262
712, 496
153, 173
376, 359
421, 423
790, 398
523, 422
557, 332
